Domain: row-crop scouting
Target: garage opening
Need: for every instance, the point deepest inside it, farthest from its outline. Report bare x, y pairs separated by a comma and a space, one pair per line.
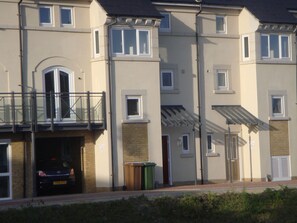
59, 165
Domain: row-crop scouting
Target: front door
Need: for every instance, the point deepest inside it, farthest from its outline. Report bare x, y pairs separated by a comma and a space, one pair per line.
5, 172
165, 159
232, 158
57, 90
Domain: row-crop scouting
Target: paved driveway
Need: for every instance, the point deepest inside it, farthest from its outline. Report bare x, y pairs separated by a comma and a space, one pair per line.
250, 187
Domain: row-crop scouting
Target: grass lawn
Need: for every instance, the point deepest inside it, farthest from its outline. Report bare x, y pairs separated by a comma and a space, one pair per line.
269, 206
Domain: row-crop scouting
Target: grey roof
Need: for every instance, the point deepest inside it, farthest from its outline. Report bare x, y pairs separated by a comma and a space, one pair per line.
178, 116
133, 8
267, 11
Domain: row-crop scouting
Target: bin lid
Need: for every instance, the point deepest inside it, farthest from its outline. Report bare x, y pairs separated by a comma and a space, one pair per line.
134, 163
149, 164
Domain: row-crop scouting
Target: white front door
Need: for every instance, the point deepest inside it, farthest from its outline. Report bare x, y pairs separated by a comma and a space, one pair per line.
280, 168
5, 172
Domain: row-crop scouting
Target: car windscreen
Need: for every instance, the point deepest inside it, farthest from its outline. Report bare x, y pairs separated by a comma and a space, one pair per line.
54, 165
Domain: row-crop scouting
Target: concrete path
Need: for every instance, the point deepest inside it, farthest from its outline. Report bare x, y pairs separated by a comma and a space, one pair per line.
250, 187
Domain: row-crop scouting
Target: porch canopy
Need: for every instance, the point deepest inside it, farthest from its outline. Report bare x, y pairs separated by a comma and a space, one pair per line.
178, 116
237, 115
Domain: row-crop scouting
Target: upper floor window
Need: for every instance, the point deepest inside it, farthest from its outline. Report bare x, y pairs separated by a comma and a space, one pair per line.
222, 80
210, 146
133, 42
96, 43
66, 16
165, 25
275, 46
167, 80
278, 109
245, 47
45, 15
221, 24
134, 107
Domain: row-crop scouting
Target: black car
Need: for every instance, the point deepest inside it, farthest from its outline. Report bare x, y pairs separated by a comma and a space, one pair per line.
54, 174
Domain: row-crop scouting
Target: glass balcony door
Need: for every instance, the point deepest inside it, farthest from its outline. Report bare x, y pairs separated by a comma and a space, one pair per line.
5, 172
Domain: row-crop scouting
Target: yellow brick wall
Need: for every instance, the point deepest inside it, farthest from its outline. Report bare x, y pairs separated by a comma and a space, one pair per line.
17, 167
279, 138
135, 142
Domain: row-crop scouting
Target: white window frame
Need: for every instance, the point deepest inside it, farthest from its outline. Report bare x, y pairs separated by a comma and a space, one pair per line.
51, 15
172, 80
224, 30
96, 42
245, 40
227, 84
282, 98
70, 73
140, 107
279, 167
9, 173
122, 53
281, 57
166, 29
72, 17
184, 148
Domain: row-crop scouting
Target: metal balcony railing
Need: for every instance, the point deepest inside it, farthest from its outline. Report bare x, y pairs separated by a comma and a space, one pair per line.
49, 111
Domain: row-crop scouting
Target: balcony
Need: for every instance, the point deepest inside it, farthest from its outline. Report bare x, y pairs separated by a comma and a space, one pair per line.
35, 111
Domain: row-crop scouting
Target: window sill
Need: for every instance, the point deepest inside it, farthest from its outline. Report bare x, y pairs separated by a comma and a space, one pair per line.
212, 154
286, 118
135, 121
186, 155
223, 91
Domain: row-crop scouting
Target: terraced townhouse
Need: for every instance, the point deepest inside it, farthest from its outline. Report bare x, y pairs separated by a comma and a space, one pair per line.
204, 89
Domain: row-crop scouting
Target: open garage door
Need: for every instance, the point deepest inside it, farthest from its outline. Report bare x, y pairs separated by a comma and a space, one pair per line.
59, 165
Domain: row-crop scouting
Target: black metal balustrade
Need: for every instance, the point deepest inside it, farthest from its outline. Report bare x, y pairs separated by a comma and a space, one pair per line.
36, 111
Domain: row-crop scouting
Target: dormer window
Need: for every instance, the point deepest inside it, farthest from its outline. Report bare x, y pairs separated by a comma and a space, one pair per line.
131, 42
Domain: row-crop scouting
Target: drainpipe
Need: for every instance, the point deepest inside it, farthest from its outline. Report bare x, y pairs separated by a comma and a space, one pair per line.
110, 92
199, 89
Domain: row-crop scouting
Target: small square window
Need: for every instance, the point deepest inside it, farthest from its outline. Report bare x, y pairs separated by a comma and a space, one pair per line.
66, 16
166, 80
134, 107
96, 43
185, 143
45, 15
220, 24
165, 25
278, 106
222, 80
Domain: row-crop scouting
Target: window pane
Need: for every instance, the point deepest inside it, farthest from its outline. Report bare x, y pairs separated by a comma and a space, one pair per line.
143, 42
276, 105
274, 46
221, 79
246, 47
97, 42
66, 17
285, 46
49, 87
65, 100
4, 167
220, 24
264, 46
165, 21
185, 142
132, 106
117, 46
4, 187
167, 79
130, 41
45, 15
209, 147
